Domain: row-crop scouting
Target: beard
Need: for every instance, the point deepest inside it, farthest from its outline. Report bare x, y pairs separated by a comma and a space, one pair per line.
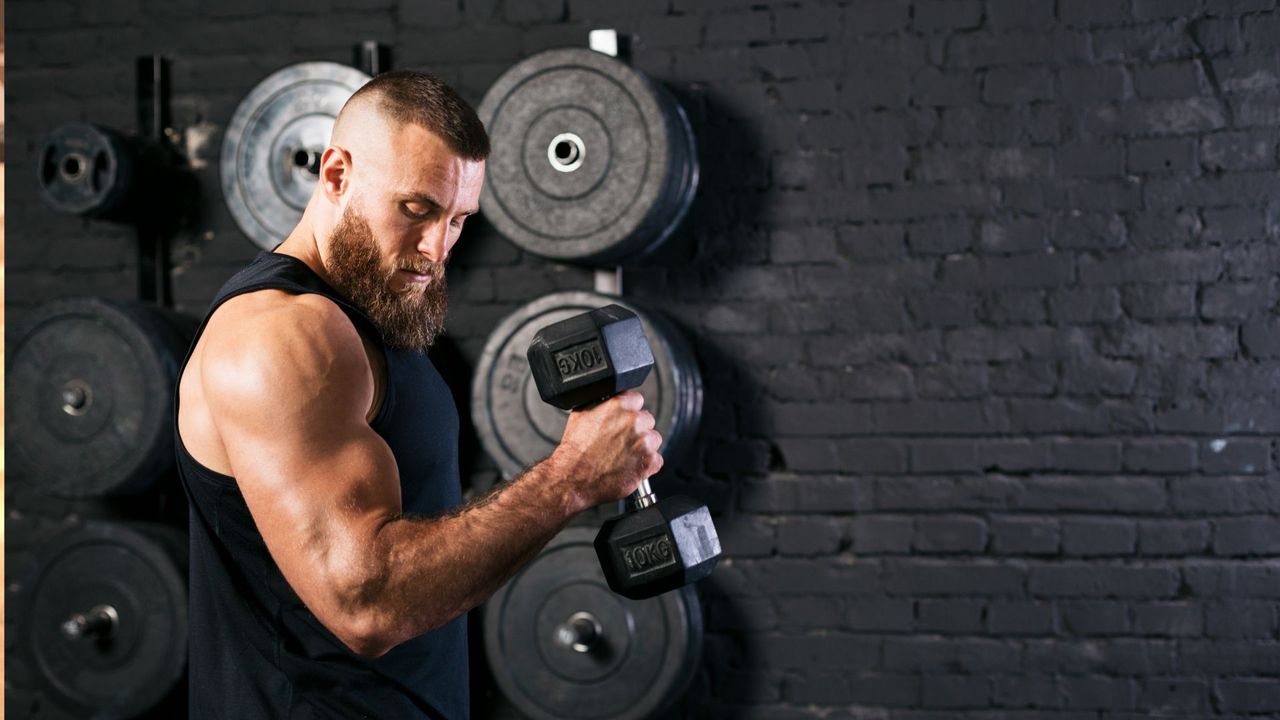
409, 319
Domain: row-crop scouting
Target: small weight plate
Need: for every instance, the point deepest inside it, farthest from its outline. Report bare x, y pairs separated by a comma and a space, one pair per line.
85, 169
138, 572
91, 389
518, 429
271, 153
630, 660
591, 161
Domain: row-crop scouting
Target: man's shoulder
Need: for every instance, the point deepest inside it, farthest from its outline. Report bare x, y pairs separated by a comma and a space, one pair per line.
274, 329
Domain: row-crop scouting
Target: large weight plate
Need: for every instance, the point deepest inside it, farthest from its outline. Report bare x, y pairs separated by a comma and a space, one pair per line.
638, 663
91, 389
139, 572
591, 161
270, 156
518, 429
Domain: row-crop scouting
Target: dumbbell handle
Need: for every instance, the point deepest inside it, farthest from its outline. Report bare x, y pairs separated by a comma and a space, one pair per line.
643, 496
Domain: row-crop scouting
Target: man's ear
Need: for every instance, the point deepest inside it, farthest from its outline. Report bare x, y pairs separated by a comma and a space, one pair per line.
335, 172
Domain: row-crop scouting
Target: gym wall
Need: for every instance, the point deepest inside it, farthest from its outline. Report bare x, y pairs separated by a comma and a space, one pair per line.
985, 295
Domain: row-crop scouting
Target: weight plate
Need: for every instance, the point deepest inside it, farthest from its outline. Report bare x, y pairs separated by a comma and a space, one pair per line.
104, 632
562, 646
518, 429
271, 153
85, 169
591, 161
91, 386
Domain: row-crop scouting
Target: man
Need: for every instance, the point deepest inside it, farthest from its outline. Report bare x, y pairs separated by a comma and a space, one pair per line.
331, 568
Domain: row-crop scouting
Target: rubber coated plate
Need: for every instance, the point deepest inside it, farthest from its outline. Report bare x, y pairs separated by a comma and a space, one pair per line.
518, 429
638, 664
139, 571
590, 160
84, 169
272, 148
91, 386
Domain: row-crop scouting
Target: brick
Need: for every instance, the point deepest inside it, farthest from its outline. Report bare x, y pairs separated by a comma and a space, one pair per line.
886, 690
1012, 236
933, 15
1223, 495
818, 651
943, 309
955, 691
1098, 376
950, 617
1094, 618
1236, 579
1249, 695
1234, 301
808, 613
1093, 580
1172, 537
1160, 456
1245, 536
747, 536
879, 615
963, 655
807, 245
1098, 536
1020, 618
1015, 86
967, 577
1235, 456
1173, 696
1025, 691
950, 535
1089, 159
1086, 493
1099, 693
820, 576
782, 493
938, 238
1238, 150
881, 534
1086, 456
1092, 12
1084, 305
1005, 14
1093, 83
1168, 80
810, 536
1161, 155
1261, 337
1016, 307
1168, 619
1240, 619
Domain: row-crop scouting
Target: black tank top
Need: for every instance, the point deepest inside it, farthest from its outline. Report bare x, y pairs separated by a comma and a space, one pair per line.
255, 649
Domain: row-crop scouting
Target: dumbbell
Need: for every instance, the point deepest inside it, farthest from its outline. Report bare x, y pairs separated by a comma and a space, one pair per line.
656, 545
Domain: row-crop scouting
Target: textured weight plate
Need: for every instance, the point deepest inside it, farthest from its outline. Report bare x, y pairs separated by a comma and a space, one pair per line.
271, 153
91, 386
562, 646
85, 169
518, 429
591, 161
136, 576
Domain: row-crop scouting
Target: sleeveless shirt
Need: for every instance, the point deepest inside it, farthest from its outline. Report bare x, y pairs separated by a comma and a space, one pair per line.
255, 650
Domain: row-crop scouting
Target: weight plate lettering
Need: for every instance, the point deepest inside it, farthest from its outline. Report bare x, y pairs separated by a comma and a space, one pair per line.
104, 625
518, 429
271, 154
562, 646
591, 161
91, 390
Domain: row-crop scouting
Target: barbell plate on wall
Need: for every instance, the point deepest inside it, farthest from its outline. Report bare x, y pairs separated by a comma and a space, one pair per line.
591, 161
85, 169
91, 389
104, 626
562, 646
518, 429
271, 152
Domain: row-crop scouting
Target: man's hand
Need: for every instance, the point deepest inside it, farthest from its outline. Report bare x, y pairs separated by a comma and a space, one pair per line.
608, 449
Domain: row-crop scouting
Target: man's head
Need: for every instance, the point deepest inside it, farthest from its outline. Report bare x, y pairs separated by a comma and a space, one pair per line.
402, 172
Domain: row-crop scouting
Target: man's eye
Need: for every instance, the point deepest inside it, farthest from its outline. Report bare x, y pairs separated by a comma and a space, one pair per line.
414, 215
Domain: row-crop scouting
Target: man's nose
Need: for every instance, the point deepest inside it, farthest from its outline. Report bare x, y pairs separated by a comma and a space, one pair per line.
434, 243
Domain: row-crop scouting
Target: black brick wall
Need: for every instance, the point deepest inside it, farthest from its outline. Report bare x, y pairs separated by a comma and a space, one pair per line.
986, 295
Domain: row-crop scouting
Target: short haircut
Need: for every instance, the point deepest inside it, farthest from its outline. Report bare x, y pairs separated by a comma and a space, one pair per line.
407, 96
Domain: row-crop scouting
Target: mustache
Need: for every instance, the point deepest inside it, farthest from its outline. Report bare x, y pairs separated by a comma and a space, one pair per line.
424, 267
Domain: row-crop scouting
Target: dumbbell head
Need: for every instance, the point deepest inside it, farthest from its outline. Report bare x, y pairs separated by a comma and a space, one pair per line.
658, 548
589, 357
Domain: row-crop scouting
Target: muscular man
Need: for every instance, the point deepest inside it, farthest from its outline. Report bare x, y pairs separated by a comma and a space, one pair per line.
331, 567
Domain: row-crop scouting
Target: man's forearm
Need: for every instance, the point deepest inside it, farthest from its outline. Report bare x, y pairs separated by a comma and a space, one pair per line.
432, 570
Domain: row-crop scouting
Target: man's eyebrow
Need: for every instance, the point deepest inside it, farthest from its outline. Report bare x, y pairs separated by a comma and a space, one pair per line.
429, 200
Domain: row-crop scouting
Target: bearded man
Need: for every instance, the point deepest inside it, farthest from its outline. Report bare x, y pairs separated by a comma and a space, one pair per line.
332, 560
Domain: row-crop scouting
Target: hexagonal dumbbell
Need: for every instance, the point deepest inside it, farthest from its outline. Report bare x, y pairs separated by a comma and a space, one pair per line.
656, 545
